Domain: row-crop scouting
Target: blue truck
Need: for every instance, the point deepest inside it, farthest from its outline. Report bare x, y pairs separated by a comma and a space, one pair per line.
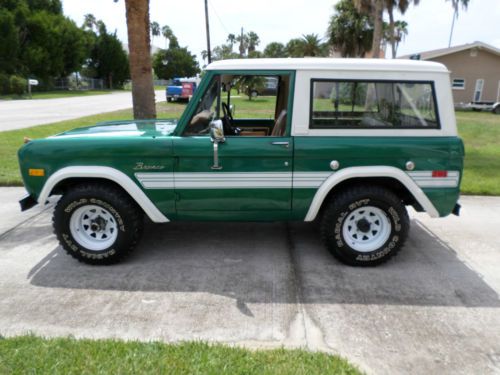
181, 89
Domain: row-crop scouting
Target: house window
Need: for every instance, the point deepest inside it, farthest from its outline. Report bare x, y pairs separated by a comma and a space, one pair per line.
458, 84
346, 104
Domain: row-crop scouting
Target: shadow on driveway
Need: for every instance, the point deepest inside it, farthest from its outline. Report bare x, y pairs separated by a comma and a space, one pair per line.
274, 263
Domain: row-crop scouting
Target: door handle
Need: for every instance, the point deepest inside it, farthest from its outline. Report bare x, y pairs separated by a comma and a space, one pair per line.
286, 144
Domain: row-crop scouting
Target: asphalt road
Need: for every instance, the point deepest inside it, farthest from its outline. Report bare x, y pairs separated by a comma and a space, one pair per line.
433, 309
18, 114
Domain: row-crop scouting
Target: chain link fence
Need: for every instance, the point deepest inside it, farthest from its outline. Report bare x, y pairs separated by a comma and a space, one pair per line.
78, 83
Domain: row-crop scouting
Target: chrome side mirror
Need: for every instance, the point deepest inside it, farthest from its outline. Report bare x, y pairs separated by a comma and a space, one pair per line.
217, 131
217, 136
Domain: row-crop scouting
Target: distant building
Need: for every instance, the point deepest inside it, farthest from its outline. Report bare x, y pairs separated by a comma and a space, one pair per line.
475, 71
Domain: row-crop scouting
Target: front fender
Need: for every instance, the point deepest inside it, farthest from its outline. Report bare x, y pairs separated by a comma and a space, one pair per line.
107, 173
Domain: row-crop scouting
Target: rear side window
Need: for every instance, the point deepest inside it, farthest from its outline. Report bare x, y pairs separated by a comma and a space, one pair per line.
345, 104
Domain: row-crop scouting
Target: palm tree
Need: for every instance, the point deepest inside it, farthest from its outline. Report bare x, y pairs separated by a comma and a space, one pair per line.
275, 49
349, 31
141, 71
155, 28
456, 3
294, 48
243, 40
400, 31
253, 41
168, 34
231, 39
401, 6
312, 45
374, 8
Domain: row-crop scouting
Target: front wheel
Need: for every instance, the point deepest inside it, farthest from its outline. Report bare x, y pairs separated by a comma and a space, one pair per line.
97, 224
364, 226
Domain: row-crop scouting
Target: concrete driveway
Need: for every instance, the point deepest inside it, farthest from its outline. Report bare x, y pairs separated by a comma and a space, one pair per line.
18, 114
434, 308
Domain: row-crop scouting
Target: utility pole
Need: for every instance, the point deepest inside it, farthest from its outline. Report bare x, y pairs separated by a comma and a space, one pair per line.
209, 51
242, 47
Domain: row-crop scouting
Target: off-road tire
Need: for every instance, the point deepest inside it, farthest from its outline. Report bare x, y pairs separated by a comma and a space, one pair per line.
344, 206
124, 212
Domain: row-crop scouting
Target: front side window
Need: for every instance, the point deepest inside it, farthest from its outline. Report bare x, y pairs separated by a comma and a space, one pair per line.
372, 104
247, 104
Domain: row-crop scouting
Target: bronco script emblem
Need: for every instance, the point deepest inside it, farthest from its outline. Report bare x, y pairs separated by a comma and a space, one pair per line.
140, 166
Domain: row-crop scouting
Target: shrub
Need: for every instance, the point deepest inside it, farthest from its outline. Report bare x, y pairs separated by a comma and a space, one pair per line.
4, 84
17, 85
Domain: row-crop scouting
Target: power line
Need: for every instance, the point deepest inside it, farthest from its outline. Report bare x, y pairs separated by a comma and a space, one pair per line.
220, 19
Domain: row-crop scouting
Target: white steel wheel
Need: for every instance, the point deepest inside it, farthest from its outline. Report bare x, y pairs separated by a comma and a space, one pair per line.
93, 227
366, 229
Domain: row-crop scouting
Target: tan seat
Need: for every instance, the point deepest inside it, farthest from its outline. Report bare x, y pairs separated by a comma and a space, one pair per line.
279, 125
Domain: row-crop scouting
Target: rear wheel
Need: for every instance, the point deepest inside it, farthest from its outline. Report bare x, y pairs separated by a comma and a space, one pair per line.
97, 224
364, 226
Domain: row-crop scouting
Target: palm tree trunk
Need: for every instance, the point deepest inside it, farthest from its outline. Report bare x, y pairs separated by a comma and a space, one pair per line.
377, 27
141, 71
392, 40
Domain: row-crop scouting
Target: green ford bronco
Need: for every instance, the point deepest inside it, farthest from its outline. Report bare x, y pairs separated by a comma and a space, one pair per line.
346, 143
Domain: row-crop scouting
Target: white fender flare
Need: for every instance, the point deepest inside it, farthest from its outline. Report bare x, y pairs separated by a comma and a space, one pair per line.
363, 172
107, 173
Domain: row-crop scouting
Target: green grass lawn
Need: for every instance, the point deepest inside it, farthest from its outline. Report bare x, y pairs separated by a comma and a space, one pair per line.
56, 94
34, 355
479, 130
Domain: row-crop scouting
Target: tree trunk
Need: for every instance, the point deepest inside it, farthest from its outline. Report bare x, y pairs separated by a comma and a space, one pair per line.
377, 27
141, 71
392, 40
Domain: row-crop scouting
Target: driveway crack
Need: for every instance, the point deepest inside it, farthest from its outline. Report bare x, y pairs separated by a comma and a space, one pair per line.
303, 330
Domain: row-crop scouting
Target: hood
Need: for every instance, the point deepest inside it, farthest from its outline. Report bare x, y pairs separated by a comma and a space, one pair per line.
131, 128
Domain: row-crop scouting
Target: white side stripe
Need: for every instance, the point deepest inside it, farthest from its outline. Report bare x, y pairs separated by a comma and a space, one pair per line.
267, 180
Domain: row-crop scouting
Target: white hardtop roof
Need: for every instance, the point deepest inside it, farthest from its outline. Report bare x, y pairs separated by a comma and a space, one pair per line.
329, 64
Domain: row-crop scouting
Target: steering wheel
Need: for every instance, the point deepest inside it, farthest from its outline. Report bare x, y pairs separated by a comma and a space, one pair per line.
227, 121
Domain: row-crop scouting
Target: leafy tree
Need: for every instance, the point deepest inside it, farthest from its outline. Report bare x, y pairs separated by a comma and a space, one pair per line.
349, 31
37, 40
108, 60
9, 42
175, 62
275, 49
250, 84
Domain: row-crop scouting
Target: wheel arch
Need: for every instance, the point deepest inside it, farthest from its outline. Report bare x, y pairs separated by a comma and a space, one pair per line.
66, 177
391, 178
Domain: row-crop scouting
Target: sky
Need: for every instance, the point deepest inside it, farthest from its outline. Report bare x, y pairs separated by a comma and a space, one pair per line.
429, 23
